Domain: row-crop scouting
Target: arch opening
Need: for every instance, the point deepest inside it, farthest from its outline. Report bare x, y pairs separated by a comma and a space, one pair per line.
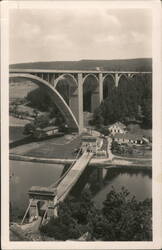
90, 94
67, 87
108, 86
56, 98
123, 80
91, 99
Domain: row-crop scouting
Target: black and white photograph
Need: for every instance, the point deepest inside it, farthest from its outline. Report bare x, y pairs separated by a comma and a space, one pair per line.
83, 122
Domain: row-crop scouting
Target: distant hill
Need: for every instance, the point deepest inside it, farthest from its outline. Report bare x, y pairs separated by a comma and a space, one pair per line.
140, 64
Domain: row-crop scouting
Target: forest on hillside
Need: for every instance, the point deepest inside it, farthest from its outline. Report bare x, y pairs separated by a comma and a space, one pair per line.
130, 102
138, 64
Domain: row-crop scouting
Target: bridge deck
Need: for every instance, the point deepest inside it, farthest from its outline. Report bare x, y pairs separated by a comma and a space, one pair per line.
72, 176
74, 71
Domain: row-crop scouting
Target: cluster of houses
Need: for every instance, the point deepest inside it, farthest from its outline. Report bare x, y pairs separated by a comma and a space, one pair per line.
93, 143
120, 134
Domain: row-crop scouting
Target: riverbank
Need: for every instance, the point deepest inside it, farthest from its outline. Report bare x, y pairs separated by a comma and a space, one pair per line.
94, 162
59, 147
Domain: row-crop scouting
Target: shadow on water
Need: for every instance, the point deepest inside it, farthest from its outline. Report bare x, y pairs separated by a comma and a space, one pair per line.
95, 179
81, 183
66, 167
131, 172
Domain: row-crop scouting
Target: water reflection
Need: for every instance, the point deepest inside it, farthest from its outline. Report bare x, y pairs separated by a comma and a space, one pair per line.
99, 180
23, 175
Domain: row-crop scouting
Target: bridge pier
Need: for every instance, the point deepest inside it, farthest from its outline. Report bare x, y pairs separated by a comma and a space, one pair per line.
80, 102
52, 208
117, 77
33, 210
95, 101
101, 87
52, 81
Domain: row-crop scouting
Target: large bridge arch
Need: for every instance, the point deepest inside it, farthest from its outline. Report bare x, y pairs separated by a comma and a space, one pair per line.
67, 86
55, 97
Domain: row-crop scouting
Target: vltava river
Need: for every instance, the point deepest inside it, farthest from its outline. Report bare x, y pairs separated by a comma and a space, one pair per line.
27, 174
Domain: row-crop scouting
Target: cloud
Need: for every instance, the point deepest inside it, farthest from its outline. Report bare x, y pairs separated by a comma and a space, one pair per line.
73, 34
138, 37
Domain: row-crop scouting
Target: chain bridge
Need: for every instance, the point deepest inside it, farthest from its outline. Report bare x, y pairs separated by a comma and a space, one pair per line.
43, 201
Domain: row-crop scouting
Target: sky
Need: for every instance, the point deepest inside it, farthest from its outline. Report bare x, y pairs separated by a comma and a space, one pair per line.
75, 34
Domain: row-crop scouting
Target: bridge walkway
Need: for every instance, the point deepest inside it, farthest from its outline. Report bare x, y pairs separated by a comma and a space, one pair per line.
73, 175
66, 183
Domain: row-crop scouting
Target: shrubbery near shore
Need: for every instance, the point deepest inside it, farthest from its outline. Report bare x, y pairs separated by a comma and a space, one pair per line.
122, 218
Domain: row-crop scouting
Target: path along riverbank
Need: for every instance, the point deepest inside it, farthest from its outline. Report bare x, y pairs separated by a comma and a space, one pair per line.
104, 162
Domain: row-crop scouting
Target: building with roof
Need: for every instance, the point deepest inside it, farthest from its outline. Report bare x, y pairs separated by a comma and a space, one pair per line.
128, 138
45, 132
117, 127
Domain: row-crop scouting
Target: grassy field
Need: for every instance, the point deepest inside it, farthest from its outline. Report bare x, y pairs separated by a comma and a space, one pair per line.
53, 149
20, 90
16, 133
16, 122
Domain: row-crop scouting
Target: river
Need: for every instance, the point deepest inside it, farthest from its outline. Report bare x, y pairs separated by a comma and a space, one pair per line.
23, 175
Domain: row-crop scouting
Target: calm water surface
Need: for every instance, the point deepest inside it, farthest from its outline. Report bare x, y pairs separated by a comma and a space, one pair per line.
100, 181
27, 174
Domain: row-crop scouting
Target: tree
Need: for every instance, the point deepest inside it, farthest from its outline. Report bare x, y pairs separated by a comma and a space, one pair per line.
104, 130
39, 99
41, 121
63, 227
29, 129
130, 220
122, 218
147, 112
98, 119
124, 102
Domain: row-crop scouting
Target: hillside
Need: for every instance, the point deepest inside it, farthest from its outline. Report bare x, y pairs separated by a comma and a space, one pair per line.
140, 64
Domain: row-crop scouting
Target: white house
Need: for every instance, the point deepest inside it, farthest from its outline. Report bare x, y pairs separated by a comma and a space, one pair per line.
128, 138
117, 127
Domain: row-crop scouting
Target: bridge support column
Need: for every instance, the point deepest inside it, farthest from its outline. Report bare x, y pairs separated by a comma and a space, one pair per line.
95, 101
52, 208
101, 87
73, 104
117, 77
33, 210
80, 102
52, 81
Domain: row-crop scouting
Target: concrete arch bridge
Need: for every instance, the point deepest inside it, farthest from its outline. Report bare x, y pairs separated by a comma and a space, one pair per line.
70, 97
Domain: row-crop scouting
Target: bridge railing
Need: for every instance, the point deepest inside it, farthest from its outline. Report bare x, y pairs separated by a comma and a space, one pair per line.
62, 177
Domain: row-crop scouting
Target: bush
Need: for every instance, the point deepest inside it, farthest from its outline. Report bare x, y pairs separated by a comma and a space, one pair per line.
122, 218
29, 129
41, 121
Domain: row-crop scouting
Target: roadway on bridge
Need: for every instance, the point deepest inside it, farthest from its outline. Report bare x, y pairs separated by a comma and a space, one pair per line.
73, 175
